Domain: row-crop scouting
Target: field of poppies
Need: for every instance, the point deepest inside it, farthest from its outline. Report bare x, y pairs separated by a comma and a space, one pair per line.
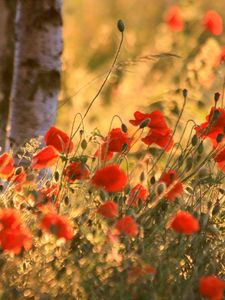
135, 213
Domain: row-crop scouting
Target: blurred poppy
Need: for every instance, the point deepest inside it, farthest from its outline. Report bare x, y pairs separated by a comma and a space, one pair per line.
214, 125
13, 235
127, 225
44, 158
6, 165
173, 185
9, 219
109, 209
57, 225
138, 192
174, 19
110, 178
183, 222
76, 171
58, 139
211, 287
213, 22
16, 239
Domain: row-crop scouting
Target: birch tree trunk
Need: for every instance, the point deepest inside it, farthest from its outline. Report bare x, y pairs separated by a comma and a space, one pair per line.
37, 66
7, 9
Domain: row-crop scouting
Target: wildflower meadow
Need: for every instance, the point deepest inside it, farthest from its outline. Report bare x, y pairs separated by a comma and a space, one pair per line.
131, 211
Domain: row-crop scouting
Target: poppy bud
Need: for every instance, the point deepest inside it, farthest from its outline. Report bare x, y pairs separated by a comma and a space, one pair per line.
66, 200
152, 180
124, 128
161, 188
56, 176
120, 26
185, 93
203, 172
216, 97
200, 148
18, 170
194, 140
189, 163
219, 137
144, 123
83, 144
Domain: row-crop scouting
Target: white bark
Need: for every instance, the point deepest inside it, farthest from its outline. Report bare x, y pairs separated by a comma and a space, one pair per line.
7, 9
37, 66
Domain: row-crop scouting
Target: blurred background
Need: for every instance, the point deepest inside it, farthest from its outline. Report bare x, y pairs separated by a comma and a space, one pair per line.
155, 64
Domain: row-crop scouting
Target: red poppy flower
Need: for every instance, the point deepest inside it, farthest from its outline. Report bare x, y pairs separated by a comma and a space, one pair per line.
156, 120
183, 222
103, 152
174, 19
213, 22
110, 178
76, 171
211, 287
6, 165
127, 225
159, 133
164, 141
214, 125
117, 139
58, 139
138, 192
9, 219
44, 158
57, 225
174, 187
16, 239
109, 209
13, 235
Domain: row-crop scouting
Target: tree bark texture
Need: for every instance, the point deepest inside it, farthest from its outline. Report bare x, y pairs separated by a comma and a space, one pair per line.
7, 9
37, 66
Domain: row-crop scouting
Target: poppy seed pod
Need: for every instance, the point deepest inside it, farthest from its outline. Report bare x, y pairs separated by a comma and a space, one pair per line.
161, 188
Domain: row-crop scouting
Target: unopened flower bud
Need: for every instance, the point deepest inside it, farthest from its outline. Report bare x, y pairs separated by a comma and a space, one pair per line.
124, 128
185, 93
194, 140
216, 97
219, 137
120, 26
144, 123
161, 188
